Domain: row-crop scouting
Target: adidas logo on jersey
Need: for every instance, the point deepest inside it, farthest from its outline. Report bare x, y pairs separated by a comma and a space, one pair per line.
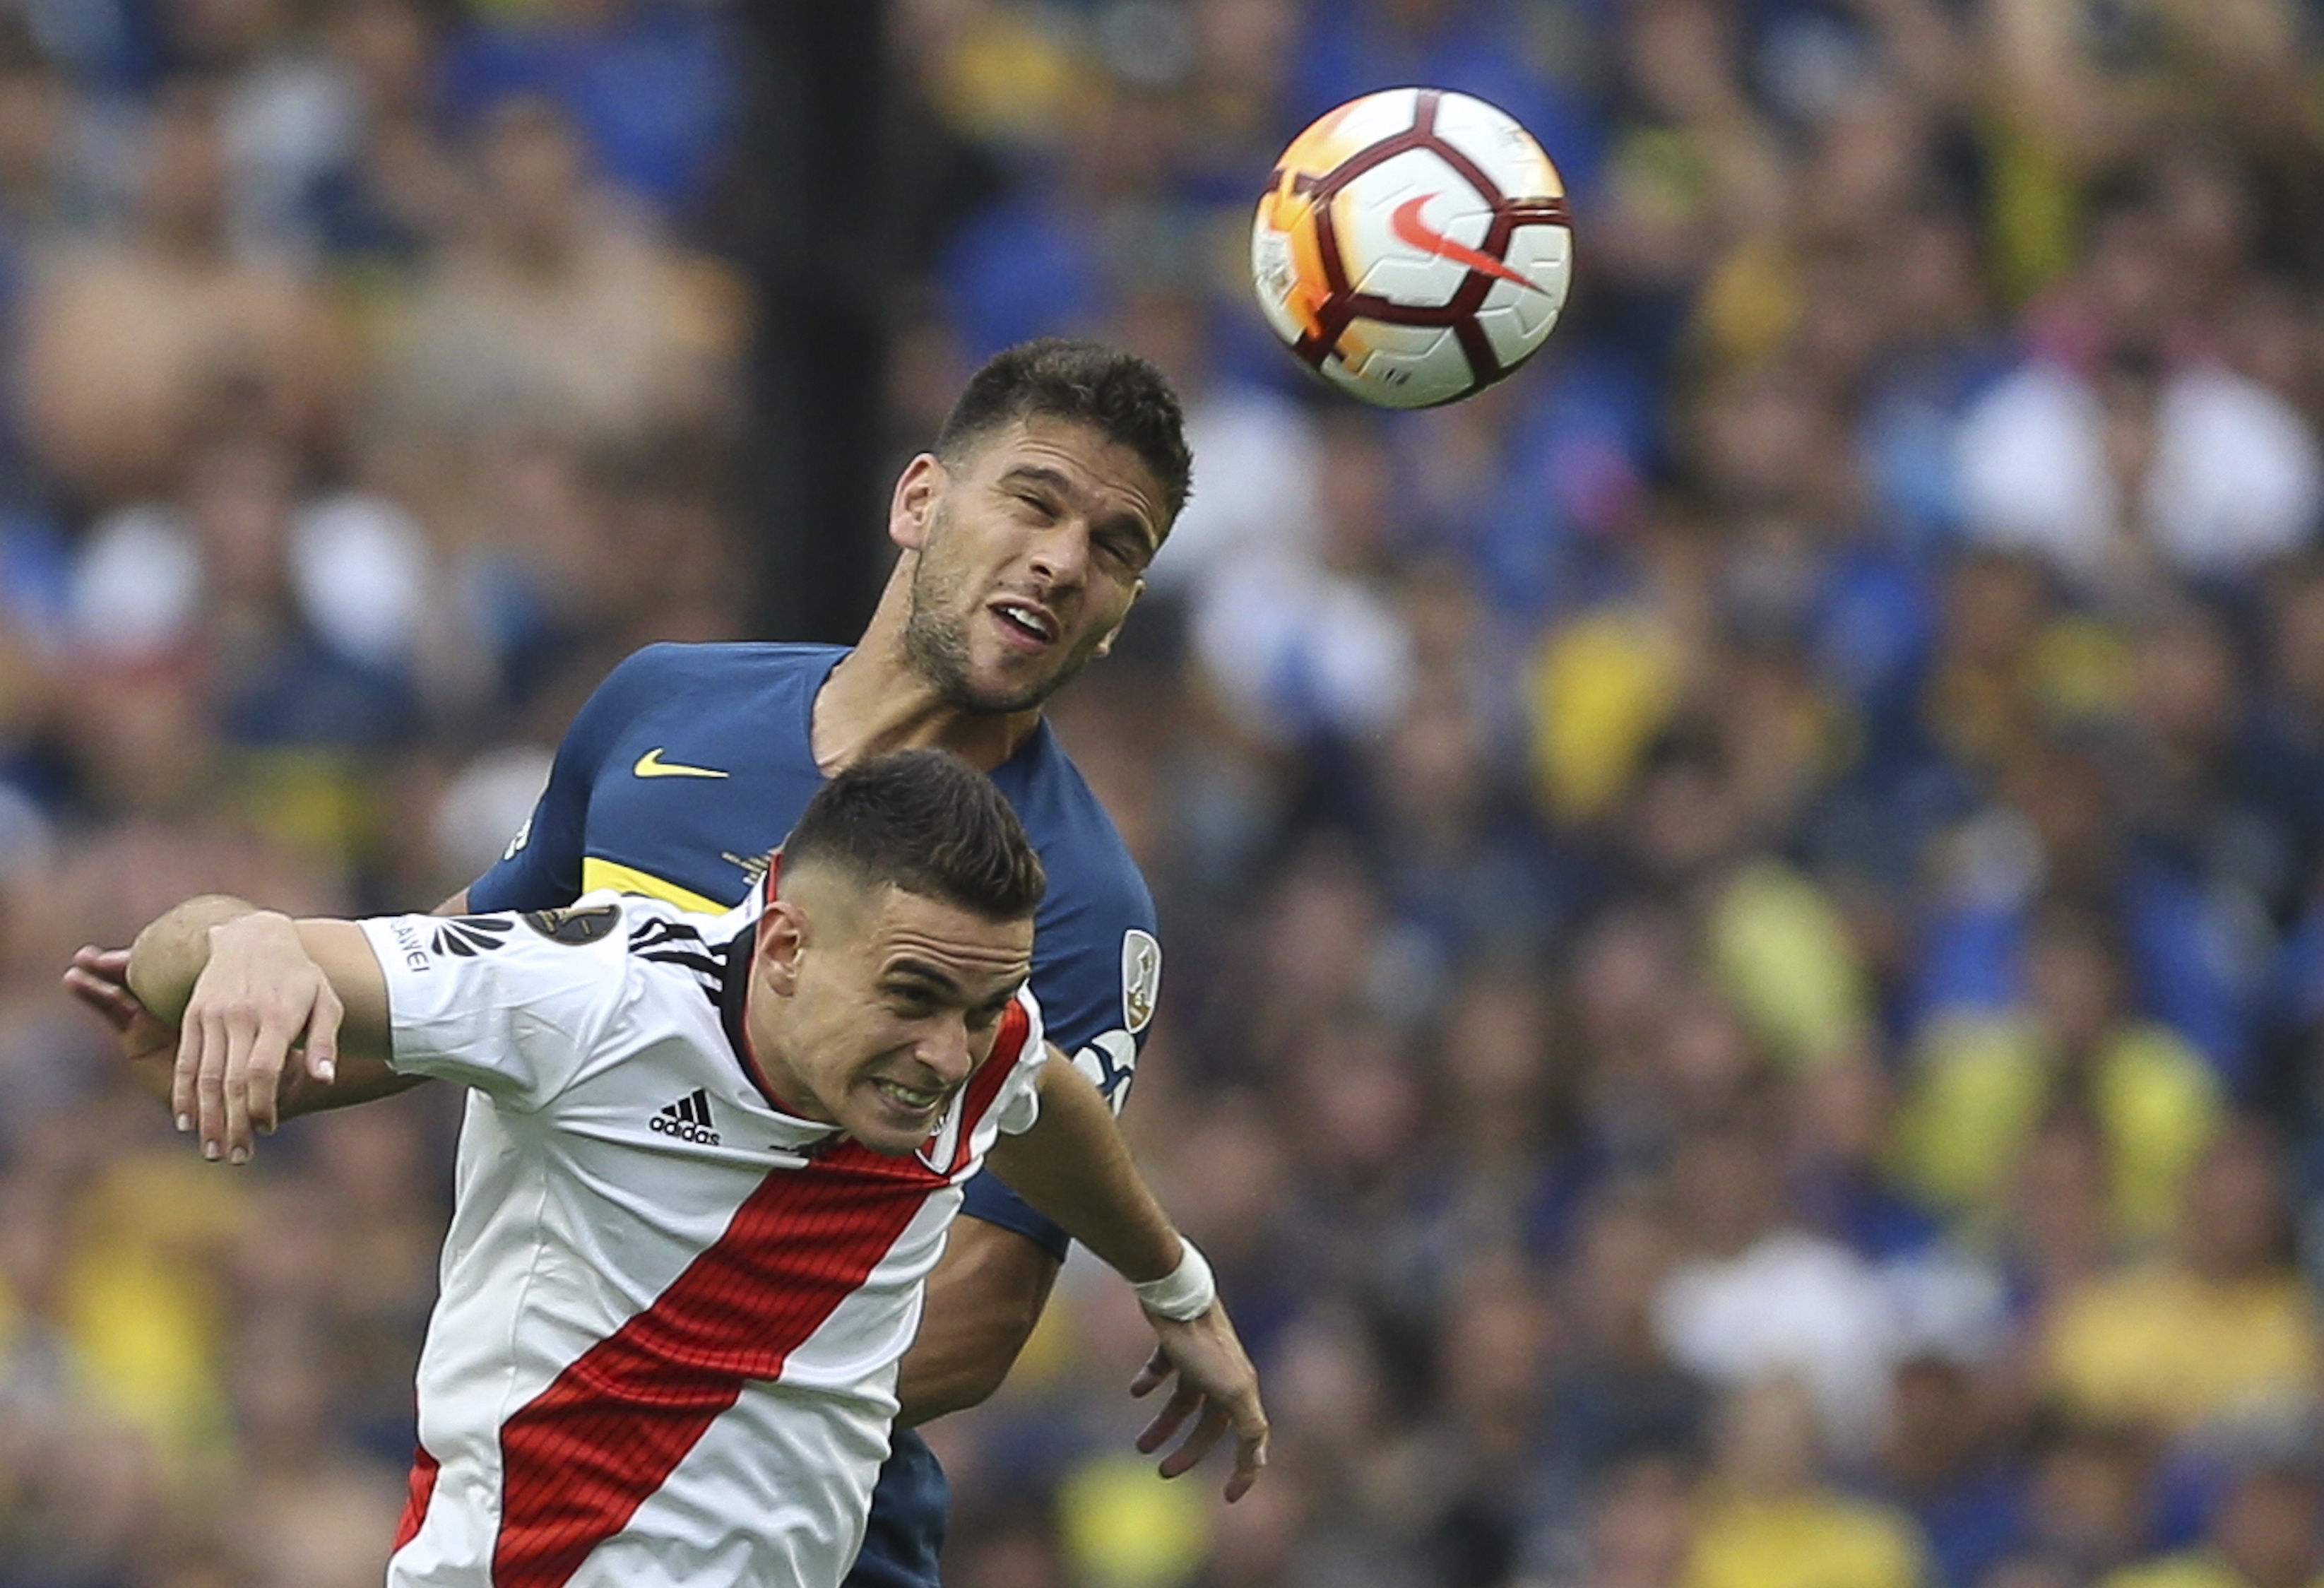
688, 1119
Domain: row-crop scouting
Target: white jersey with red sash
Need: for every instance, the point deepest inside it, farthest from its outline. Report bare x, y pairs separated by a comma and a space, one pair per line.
665, 1351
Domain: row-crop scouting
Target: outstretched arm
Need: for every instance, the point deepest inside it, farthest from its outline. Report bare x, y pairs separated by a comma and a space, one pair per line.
234, 1069
258, 974
1074, 1166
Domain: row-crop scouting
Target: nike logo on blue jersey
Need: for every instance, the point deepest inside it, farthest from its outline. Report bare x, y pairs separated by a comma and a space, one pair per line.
652, 766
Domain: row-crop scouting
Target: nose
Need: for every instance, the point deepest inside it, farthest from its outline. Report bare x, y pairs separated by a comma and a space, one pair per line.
1061, 554
946, 1051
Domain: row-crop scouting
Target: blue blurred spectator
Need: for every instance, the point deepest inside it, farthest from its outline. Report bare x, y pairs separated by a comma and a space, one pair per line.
651, 84
1538, 63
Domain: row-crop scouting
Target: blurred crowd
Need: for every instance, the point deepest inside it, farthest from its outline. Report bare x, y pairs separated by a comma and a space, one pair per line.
1743, 913
1744, 939
370, 380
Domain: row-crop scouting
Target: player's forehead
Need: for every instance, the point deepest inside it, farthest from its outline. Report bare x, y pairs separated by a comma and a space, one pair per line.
1104, 475
913, 937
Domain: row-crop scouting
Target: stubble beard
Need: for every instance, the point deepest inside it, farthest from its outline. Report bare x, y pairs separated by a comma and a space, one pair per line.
935, 648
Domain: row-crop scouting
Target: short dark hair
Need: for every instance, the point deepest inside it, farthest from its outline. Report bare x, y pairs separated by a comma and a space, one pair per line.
1118, 394
929, 822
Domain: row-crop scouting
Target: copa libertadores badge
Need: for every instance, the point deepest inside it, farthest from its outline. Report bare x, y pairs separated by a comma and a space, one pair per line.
1141, 978
575, 926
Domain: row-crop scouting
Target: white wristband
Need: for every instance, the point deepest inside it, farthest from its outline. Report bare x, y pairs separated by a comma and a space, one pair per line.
1184, 1294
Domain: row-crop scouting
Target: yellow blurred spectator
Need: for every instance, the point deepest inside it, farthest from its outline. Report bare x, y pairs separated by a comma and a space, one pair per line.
1983, 1083
2011, 667
1009, 74
1123, 1528
140, 1307
1602, 687
1785, 953
1768, 1520
2222, 1330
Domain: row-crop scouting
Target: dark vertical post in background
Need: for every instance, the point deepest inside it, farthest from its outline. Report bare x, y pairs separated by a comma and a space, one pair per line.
822, 261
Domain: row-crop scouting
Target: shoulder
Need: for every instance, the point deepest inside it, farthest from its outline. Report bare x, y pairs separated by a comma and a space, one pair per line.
664, 946
590, 930
602, 925
702, 682
1023, 1029
1097, 961
1089, 865
674, 667
648, 924
1009, 1085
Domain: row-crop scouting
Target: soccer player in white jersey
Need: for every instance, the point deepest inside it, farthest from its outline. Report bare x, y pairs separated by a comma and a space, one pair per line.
705, 1169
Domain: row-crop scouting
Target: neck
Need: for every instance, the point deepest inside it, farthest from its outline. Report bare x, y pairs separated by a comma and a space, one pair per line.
764, 1046
876, 701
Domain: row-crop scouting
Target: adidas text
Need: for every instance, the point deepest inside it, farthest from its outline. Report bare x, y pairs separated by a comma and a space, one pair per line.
688, 1119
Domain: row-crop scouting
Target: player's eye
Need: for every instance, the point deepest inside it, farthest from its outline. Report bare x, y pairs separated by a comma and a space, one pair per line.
983, 1019
1042, 506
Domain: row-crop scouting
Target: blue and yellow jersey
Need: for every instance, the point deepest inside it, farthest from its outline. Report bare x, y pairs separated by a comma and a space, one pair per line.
690, 762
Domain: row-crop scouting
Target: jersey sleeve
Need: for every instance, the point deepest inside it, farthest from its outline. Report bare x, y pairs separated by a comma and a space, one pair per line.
542, 868
509, 1004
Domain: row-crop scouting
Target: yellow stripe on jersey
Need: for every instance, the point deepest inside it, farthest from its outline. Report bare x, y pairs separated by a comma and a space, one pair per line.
603, 873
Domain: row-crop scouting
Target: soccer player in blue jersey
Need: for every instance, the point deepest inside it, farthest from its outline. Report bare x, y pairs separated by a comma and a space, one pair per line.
1024, 537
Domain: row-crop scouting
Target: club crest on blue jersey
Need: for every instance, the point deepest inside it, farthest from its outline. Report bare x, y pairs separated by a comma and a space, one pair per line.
1141, 978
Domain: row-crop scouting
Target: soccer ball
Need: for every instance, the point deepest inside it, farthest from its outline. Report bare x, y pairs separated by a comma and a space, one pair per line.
1413, 247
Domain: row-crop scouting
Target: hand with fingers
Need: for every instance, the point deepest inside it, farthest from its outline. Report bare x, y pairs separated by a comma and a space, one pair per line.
100, 979
1217, 1388
259, 1000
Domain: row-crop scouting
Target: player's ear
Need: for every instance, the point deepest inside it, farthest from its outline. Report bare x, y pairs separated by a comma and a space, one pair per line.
782, 935
913, 507
1105, 646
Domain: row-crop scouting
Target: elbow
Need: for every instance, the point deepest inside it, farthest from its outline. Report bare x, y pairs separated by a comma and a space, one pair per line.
166, 957
971, 1384
987, 1366
163, 963
982, 1305
967, 1369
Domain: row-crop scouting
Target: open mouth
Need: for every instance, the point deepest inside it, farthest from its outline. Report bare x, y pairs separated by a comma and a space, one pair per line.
910, 1099
1030, 622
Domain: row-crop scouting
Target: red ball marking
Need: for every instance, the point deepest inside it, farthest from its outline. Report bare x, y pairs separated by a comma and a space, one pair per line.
1409, 228
1343, 305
